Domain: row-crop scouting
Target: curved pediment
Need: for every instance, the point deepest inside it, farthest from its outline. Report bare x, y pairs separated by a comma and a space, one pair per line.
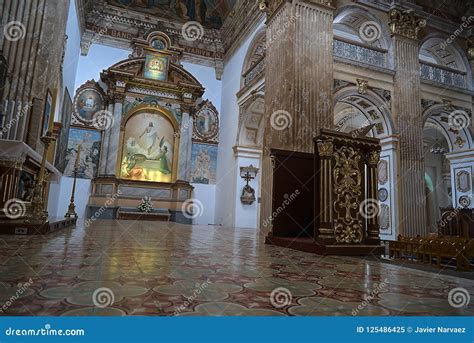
131, 71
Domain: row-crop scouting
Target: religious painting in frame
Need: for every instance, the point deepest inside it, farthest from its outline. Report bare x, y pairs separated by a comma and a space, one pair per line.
86, 143
148, 148
206, 123
204, 163
156, 67
48, 108
88, 101
66, 113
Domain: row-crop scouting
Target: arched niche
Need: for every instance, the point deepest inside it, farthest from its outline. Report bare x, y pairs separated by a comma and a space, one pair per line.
149, 145
251, 123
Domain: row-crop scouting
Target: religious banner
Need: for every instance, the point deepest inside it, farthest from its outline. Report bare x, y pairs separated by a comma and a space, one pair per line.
89, 100
206, 123
86, 144
204, 163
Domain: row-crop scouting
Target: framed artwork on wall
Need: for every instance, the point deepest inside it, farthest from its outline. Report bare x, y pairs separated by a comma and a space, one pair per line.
48, 108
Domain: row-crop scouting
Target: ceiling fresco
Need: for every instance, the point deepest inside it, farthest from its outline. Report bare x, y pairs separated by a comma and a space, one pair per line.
210, 13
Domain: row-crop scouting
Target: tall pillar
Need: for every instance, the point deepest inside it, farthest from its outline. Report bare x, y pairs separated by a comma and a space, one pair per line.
105, 142
298, 81
114, 139
407, 110
185, 144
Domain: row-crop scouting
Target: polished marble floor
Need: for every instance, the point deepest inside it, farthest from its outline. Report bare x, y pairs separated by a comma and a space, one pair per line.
145, 268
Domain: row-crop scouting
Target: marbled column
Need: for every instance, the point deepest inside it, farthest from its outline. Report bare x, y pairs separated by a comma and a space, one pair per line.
185, 147
105, 143
407, 112
114, 139
298, 82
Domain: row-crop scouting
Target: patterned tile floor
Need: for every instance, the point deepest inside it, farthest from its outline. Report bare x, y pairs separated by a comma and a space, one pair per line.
146, 268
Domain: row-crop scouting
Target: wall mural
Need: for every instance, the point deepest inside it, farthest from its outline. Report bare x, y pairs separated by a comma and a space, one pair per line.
204, 163
206, 123
132, 101
88, 141
148, 148
211, 13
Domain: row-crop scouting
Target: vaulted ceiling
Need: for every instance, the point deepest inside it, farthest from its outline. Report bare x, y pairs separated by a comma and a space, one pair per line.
210, 13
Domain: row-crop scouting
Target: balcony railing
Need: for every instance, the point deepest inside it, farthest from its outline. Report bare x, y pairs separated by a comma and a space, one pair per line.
359, 53
445, 76
254, 71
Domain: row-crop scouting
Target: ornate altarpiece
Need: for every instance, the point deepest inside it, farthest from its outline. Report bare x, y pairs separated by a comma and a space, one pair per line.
148, 131
333, 207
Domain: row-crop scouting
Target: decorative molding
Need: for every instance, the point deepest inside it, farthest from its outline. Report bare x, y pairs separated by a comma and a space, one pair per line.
405, 23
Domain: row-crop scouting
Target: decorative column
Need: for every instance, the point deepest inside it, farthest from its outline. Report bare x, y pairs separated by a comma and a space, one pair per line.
105, 141
185, 146
373, 228
405, 27
114, 139
325, 207
298, 81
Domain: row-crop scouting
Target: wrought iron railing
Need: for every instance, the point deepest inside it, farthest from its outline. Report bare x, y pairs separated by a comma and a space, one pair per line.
445, 76
355, 52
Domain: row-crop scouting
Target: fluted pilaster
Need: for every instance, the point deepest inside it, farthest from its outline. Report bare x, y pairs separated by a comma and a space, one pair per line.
407, 113
298, 82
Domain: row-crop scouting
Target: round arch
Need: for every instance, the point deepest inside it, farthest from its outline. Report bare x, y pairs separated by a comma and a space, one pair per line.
439, 116
370, 105
255, 53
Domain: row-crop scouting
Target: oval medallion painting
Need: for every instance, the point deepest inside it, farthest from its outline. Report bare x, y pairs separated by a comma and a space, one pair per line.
86, 103
206, 123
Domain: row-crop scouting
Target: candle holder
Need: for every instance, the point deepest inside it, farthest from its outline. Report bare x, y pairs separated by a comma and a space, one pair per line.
37, 213
71, 212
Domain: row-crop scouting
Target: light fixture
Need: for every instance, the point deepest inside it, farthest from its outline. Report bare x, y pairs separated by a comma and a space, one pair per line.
248, 193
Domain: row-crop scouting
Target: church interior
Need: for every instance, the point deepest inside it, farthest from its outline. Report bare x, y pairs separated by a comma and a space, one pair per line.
236, 158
